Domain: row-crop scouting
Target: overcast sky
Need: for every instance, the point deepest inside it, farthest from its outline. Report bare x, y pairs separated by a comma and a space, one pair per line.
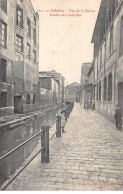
65, 41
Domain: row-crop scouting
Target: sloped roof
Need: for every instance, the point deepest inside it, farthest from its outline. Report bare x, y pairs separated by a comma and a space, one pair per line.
98, 21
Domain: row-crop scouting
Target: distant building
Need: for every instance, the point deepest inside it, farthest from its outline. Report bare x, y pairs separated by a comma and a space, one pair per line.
84, 73
61, 84
72, 92
107, 68
48, 90
85, 95
19, 53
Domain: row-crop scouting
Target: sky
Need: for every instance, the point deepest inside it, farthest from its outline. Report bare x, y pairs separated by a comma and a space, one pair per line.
65, 41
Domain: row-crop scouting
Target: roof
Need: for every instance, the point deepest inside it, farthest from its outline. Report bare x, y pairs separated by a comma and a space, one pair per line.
47, 74
98, 21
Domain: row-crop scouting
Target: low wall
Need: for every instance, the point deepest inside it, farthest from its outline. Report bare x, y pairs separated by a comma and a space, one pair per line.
6, 111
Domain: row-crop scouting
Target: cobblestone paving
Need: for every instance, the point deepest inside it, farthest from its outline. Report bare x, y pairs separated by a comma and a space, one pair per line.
89, 156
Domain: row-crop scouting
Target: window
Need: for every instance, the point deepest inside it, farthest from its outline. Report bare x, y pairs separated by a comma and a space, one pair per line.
19, 17
110, 87
34, 20
105, 89
100, 91
3, 99
121, 37
3, 5
105, 52
97, 91
34, 98
111, 41
2, 70
3, 34
28, 50
34, 56
28, 27
94, 87
19, 43
101, 58
28, 99
34, 36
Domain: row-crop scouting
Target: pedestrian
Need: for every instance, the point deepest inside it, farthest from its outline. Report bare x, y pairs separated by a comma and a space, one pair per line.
63, 121
93, 106
118, 117
86, 107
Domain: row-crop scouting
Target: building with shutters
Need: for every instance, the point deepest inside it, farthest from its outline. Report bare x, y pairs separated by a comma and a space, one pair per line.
106, 74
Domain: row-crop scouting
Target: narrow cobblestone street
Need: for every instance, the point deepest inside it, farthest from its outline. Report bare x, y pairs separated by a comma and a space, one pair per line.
89, 156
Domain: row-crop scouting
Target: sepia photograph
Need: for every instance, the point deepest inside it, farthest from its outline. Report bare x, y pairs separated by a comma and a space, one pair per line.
61, 95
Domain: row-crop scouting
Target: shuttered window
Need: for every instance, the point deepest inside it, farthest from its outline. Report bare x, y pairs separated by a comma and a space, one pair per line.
19, 17
34, 36
28, 27
19, 43
121, 37
110, 87
3, 34
105, 89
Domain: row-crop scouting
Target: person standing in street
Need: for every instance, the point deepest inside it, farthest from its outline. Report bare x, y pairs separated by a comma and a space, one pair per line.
86, 107
63, 121
118, 117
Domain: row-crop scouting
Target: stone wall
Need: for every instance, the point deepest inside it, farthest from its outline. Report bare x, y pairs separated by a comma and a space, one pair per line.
14, 133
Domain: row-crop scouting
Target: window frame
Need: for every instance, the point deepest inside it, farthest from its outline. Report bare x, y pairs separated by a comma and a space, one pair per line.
34, 36
34, 18
28, 27
5, 34
28, 99
121, 38
28, 50
34, 56
19, 23
100, 90
17, 45
34, 99
105, 89
111, 40
110, 87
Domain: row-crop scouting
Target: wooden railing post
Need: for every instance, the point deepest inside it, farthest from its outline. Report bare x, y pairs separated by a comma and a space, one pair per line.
58, 126
45, 143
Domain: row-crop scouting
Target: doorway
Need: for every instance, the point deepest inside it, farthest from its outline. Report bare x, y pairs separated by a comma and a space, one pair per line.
120, 95
18, 104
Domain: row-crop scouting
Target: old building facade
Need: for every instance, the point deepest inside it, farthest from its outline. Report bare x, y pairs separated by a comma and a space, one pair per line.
85, 93
106, 73
6, 59
48, 91
61, 84
19, 48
